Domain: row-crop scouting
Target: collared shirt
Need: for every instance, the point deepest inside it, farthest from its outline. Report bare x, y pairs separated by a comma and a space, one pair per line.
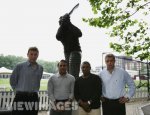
61, 87
113, 84
26, 78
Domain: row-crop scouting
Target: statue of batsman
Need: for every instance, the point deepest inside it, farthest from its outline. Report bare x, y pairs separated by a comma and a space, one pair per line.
68, 34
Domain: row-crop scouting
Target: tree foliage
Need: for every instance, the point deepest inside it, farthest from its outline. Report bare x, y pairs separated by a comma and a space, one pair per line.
50, 67
125, 21
10, 61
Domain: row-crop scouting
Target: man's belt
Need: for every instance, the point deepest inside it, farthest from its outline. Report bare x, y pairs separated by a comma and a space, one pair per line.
63, 100
26, 93
110, 100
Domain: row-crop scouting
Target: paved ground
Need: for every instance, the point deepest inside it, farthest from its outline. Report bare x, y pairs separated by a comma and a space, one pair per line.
132, 108
146, 109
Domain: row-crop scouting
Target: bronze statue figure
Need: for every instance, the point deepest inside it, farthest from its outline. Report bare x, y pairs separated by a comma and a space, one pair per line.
68, 34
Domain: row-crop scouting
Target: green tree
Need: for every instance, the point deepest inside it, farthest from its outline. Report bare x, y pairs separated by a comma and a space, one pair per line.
121, 19
10, 61
50, 67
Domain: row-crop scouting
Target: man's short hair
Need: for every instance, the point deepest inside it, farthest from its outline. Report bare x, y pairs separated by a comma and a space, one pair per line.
62, 61
110, 56
33, 49
86, 62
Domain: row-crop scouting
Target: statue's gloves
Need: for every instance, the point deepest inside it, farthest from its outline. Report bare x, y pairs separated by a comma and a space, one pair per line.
64, 20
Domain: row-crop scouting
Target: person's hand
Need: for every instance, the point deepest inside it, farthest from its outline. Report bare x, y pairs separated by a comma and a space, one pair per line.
124, 99
68, 104
66, 16
85, 106
64, 20
102, 99
60, 106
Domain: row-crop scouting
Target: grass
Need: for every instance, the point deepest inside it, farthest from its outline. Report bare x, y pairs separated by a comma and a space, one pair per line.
43, 85
4, 83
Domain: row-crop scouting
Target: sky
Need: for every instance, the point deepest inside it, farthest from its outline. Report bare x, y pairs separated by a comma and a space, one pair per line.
26, 23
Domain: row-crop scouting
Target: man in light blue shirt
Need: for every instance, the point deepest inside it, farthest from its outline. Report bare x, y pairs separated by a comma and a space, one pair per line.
114, 94
25, 81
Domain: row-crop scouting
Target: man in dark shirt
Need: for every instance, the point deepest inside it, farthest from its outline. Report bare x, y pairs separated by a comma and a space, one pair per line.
87, 91
69, 35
